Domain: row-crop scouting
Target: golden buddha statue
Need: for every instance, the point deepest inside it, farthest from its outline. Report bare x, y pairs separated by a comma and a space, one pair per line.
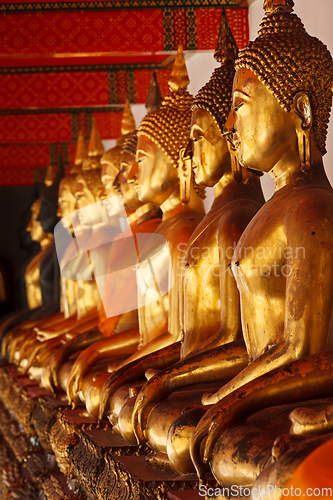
142, 218
66, 206
121, 330
161, 135
31, 275
87, 187
41, 288
206, 324
109, 171
284, 279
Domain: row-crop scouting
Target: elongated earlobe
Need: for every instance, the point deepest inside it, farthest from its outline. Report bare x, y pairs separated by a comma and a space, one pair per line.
303, 109
235, 166
185, 174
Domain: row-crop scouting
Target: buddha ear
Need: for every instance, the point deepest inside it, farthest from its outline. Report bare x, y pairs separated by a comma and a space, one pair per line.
302, 108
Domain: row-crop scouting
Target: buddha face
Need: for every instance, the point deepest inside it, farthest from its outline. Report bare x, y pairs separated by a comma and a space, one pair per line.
210, 151
84, 198
265, 135
127, 187
66, 200
156, 177
35, 228
109, 175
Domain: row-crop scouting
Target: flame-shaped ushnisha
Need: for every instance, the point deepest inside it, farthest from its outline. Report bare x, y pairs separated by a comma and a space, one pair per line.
215, 96
95, 148
80, 154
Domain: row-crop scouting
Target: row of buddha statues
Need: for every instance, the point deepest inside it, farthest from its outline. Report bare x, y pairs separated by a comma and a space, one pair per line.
228, 369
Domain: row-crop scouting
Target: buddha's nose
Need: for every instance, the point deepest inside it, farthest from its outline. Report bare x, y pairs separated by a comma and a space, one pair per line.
133, 172
229, 128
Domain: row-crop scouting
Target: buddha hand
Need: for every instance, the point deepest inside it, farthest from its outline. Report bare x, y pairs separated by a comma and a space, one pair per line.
43, 335
152, 393
47, 381
50, 377
219, 417
308, 421
79, 369
32, 356
135, 370
5, 346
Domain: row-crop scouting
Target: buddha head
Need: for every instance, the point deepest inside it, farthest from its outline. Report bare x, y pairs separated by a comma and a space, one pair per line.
127, 158
49, 199
66, 199
34, 226
282, 93
88, 184
161, 137
210, 110
110, 163
112, 158
88, 191
67, 186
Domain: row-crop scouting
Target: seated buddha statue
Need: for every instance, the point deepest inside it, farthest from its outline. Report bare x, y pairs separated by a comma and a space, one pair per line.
33, 290
66, 206
120, 332
161, 135
141, 217
282, 263
88, 188
109, 171
215, 320
277, 420
16, 328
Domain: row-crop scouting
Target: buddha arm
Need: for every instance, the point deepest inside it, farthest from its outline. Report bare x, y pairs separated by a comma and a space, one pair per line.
124, 343
221, 363
307, 378
51, 320
308, 308
231, 226
40, 350
65, 325
82, 328
154, 345
81, 341
135, 370
7, 335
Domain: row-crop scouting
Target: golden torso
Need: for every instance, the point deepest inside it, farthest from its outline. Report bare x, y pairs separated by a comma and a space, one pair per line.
201, 315
264, 262
32, 277
162, 315
68, 296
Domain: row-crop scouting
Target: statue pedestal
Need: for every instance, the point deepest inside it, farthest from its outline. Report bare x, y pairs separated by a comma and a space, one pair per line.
55, 452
